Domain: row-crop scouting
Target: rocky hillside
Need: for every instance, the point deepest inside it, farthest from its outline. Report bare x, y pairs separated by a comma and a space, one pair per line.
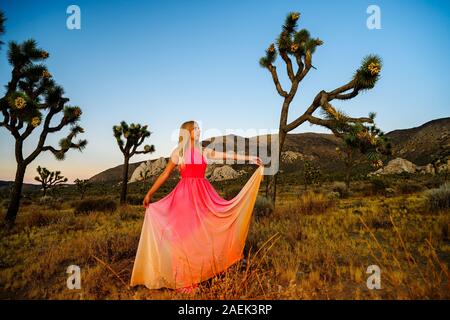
418, 145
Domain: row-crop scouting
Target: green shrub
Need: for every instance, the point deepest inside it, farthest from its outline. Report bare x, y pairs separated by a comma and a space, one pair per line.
135, 199
232, 192
41, 218
263, 207
438, 199
333, 195
341, 188
314, 203
102, 205
378, 185
389, 192
409, 187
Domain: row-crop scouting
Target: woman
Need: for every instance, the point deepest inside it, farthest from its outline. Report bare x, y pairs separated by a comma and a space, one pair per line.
192, 234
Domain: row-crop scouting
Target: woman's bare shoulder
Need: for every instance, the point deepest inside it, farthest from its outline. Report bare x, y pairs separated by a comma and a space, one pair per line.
174, 156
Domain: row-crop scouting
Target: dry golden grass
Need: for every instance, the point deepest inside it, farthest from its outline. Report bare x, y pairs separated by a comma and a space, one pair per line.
311, 247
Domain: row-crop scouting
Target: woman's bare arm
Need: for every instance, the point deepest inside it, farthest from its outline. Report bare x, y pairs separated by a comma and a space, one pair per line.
217, 155
173, 160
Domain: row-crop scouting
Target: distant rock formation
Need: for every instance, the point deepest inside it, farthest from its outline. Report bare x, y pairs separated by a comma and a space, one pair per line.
400, 165
154, 167
420, 145
292, 156
225, 172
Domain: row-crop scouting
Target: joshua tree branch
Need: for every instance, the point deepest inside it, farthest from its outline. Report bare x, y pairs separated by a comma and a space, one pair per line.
273, 71
288, 62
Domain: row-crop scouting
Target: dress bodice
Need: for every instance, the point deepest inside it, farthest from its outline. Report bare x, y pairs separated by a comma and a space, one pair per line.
195, 164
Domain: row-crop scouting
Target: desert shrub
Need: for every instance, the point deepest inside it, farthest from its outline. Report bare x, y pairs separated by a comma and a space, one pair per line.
50, 202
333, 195
232, 192
389, 192
135, 199
409, 187
263, 207
434, 182
378, 185
341, 188
41, 218
314, 203
102, 205
378, 220
438, 199
127, 213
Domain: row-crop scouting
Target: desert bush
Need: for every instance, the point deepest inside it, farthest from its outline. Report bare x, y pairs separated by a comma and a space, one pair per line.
41, 218
333, 195
127, 213
389, 192
341, 188
378, 185
438, 199
409, 187
50, 202
263, 207
314, 203
231, 192
102, 205
135, 199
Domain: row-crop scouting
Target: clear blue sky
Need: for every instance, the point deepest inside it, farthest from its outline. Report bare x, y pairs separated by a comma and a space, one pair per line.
163, 62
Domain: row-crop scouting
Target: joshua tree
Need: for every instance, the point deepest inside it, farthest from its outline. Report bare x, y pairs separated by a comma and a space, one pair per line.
363, 139
135, 135
82, 186
144, 175
49, 179
31, 92
311, 174
300, 46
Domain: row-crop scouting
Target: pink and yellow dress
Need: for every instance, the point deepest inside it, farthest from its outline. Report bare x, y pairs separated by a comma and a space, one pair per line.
192, 234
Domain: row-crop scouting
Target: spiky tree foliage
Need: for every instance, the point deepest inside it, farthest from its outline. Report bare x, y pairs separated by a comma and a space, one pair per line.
144, 175
134, 135
31, 101
2, 26
300, 46
311, 174
82, 185
363, 139
48, 179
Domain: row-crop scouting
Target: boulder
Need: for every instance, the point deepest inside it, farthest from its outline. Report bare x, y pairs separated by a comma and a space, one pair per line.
225, 172
427, 169
395, 166
292, 156
154, 167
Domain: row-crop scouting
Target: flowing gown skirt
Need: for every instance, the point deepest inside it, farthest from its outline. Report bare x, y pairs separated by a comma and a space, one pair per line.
192, 234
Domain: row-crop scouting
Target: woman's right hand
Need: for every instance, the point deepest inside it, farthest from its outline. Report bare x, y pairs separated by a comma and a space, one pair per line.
147, 200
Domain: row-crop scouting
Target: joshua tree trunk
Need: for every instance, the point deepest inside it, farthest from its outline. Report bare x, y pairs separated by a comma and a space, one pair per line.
123, 194
16, 195
347, 177
272, 183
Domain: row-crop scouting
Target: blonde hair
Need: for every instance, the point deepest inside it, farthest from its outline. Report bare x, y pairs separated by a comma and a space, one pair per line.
184, 138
